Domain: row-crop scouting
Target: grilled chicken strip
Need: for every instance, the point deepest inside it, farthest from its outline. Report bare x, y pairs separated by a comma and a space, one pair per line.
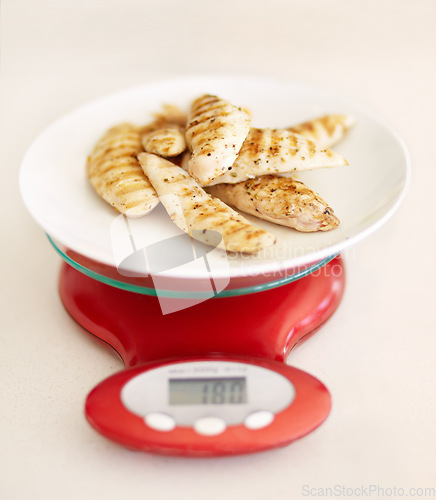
215, 132
275, 151
165, 136
116, 175
199, 214
281, 200
327, 130
167, 141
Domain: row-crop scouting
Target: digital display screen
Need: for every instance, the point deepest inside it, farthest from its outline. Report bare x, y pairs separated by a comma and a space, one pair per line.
207, 391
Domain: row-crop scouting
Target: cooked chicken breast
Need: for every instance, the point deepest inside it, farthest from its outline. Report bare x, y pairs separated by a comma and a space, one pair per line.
327, 130
165, 135
116, 175
281, 200
205, 218
167, 141
273, 151
215, 132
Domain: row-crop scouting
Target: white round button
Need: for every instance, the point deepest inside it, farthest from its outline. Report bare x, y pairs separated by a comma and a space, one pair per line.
210, 426
259, 419
160, 422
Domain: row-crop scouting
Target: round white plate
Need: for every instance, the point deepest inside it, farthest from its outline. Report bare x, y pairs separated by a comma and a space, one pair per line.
363, 195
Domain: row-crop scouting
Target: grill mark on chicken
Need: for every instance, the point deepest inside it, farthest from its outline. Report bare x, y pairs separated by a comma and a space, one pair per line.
199, 106
274, 147
252, 145
117, 167
209, 108
112, 153
104, 147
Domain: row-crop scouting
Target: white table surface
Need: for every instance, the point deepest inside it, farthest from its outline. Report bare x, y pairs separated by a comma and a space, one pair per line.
376, 354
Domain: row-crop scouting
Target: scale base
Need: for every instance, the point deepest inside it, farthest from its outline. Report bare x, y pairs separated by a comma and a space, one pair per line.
259, 328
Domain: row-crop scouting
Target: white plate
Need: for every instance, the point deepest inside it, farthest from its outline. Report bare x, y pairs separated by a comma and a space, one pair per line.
364, 194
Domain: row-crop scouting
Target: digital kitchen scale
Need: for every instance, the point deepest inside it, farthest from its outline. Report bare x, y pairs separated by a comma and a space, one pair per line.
205, 335
209, 379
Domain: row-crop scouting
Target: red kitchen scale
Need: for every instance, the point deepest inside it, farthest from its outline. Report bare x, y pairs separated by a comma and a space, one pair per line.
208, 379
205, 348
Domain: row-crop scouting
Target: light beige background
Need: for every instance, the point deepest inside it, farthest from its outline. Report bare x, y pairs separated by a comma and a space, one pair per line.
377, 354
